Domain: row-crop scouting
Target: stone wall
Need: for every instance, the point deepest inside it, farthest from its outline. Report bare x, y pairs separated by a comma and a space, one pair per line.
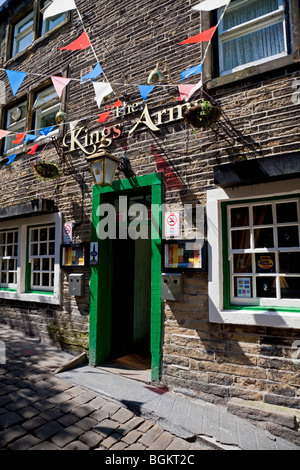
259, 119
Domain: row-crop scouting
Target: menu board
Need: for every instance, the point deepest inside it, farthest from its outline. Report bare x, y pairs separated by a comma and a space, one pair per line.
184, 255
73, 255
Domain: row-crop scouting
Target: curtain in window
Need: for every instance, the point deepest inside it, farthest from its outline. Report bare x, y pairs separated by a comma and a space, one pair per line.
257, 45
249, 11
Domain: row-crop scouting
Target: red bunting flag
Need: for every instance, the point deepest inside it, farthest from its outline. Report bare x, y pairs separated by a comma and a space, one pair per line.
80, 43
19, 138
103, 116
33, 149
202, 37
117, 104
184, 91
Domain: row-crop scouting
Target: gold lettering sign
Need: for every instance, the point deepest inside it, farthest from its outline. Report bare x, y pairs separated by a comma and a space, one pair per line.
88, 141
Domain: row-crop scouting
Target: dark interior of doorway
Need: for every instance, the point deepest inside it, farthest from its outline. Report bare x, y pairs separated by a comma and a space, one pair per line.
131, 306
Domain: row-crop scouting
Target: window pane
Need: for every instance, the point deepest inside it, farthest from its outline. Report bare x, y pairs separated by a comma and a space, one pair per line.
288, 236
36, 279
242, 263
34, 249
249, 11
43, 234
266, 286
262, 215
52, 22
265, 263
289, 262
290, 287
254, 46
51, 233
45, 264
240, 239
45, 279
46, 106
243, 287
287, 212
43, 249
263, 238
23, 34
36, 265
240, 217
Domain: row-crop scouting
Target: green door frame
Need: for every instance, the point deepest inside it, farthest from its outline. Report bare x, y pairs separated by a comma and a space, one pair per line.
101, 275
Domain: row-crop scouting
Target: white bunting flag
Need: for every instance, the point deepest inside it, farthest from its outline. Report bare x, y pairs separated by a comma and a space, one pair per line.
102, 89
209, 5
57, 7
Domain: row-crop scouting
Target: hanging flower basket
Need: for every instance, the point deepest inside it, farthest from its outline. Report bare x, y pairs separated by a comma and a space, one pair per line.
202, 115
47, 170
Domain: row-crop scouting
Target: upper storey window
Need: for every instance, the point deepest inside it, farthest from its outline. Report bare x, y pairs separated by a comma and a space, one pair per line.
29, 27
252, 32
23, 34
51, 23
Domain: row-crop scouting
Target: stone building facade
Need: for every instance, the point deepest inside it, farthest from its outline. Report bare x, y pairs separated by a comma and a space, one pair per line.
235, 331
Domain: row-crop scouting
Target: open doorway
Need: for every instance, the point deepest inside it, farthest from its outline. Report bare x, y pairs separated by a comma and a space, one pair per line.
125, 313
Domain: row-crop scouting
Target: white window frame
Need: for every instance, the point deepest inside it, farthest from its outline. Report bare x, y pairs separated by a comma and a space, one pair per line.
250, 27
21, 292
6, 258
18, 36
256, 315
252, 251
36, 255
16, 127
46, 108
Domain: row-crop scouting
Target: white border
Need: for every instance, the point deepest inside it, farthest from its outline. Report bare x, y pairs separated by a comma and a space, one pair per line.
217, 314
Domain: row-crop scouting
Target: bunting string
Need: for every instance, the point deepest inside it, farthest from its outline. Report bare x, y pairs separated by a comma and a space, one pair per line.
102, 89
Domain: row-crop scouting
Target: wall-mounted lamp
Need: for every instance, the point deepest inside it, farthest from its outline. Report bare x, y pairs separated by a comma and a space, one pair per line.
60, 117
156, 76
103, 165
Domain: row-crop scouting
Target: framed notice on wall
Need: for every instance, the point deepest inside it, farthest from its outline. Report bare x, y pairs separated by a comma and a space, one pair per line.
184, 255
74, 255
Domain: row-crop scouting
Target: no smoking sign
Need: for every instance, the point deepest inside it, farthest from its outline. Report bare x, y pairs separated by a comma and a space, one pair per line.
172, 224
68, 232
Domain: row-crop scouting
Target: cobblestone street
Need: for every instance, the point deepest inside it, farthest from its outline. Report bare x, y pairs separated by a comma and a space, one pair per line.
40, 411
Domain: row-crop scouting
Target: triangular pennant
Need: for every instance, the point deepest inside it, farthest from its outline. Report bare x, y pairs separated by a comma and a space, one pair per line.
193, 90
117, 104
184, 91
46, 130
57, 7
103, 116
29, 137
209, 5
202, 37
19, 138
80, 43
33, 149
145, 90
73, 124
3, 133
93, 74
15, 80
11, 158
59, 84
191, 71
102, 89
